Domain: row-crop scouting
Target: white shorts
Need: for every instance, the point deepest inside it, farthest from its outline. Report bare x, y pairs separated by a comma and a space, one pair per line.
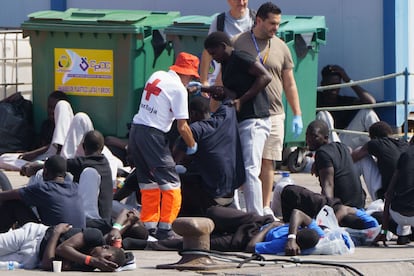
273, 147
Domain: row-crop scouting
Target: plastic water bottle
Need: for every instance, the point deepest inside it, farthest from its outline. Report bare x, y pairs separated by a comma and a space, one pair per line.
277, 191
10, 265
286, 178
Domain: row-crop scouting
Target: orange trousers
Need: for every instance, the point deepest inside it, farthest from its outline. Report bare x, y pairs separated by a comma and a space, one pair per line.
160, 205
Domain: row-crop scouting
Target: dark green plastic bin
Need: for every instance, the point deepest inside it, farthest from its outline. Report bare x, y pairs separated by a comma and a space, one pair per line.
187, 33
303, 35
101, 58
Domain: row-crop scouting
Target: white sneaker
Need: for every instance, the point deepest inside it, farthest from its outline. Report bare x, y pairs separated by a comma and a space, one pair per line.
268, 211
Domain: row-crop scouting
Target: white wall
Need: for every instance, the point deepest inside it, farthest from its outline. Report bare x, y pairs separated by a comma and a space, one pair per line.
354, 39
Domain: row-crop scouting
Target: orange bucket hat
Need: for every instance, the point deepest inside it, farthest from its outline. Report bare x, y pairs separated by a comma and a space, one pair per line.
186, 64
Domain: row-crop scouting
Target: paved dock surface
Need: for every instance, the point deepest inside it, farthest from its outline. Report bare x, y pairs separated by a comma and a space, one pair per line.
393, 260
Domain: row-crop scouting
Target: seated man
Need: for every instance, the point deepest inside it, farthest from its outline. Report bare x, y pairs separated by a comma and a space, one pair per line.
217, 168
72, 145
387, 150
50, 141
345, 119
334, 167
93, 143
68, 133
56, 200
47, 129
399, 199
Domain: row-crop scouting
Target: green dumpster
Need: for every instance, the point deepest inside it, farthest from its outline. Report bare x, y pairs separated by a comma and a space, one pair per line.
100, 58
187, 34
303, 35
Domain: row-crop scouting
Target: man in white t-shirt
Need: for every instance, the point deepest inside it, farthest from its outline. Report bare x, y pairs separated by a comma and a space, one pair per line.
164, 100
236, 20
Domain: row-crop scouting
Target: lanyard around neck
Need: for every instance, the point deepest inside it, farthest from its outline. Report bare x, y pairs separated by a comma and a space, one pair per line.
262, 60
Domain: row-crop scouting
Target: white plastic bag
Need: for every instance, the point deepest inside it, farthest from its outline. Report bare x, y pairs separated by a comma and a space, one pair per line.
364, 236
326, 217
337, 240
375, 206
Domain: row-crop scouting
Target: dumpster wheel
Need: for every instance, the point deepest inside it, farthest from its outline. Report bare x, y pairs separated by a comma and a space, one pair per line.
296, 160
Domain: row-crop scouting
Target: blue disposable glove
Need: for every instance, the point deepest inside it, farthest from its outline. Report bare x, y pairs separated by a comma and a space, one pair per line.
180, 169
192, 150
297, 125
194, 87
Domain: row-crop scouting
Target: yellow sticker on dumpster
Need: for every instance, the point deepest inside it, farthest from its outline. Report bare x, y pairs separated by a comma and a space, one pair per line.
84, 72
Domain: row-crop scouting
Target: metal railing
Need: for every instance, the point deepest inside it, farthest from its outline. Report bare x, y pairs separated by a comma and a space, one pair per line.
11, 63
406, 102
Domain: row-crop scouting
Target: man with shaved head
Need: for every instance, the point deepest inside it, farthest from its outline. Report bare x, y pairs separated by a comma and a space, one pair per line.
93, 143
334, 166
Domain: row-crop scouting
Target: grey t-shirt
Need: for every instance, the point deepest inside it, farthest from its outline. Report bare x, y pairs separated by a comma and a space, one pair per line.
232, 27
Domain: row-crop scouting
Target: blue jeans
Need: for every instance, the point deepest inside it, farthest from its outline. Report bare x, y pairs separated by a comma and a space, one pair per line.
253, 134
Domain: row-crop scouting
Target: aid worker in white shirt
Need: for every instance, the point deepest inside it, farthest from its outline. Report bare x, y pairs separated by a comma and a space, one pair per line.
164, 99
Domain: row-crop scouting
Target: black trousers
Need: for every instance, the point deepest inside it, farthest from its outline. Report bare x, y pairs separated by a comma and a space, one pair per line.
298, 197
15, 211
195, 200
234, 228
233, 231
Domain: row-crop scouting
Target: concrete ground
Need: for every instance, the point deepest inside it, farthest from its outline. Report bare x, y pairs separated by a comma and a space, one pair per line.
393, 260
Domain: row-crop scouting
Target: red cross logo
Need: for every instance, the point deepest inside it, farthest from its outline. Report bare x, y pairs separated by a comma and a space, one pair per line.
152, 88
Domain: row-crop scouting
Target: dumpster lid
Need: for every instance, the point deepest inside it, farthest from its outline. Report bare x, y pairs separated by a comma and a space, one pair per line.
195, 20
90, 16
301, 24
99, 20
190, 25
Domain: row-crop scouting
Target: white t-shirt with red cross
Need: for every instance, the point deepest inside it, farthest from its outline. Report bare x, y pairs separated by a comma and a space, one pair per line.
164, 99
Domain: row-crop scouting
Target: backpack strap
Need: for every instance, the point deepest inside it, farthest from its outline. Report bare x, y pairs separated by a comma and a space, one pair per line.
221, 17
220, 21
252, 14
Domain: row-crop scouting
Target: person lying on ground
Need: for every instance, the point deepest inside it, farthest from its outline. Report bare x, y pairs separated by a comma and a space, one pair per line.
293, 197
36, 245
238, 231
78, 249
